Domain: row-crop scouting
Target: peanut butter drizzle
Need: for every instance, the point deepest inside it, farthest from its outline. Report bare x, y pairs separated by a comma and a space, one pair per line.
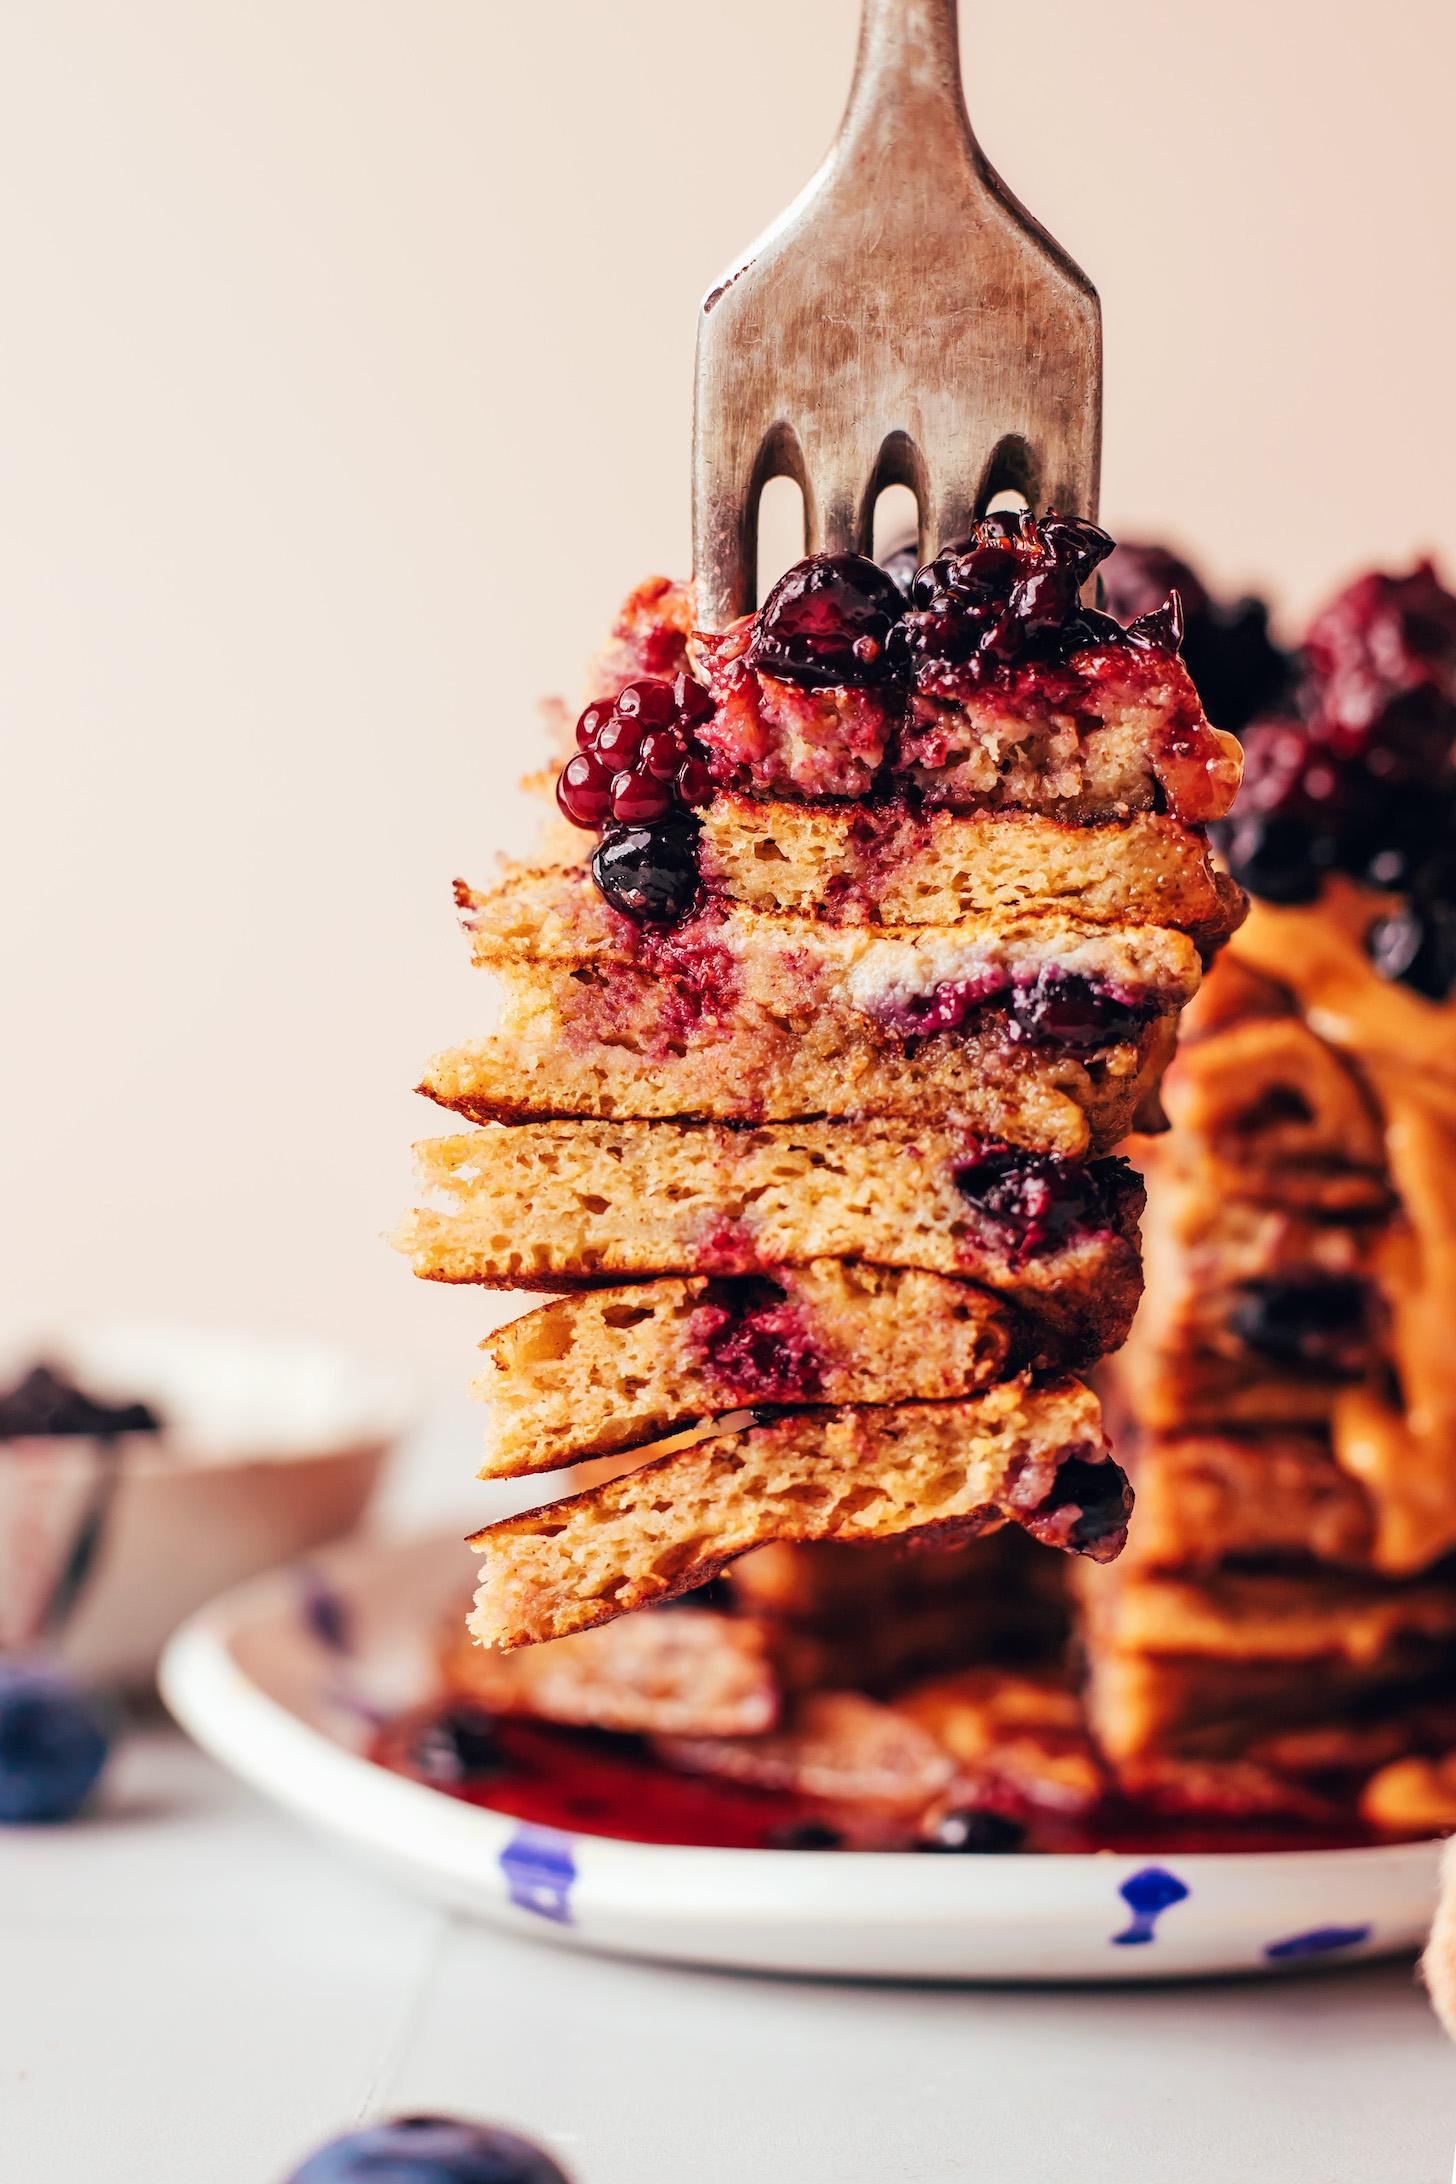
1404, 1454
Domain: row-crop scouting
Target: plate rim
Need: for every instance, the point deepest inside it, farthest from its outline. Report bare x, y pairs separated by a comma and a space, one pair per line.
276, 1746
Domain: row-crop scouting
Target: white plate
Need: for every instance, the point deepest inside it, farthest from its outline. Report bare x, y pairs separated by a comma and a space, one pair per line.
283, 1679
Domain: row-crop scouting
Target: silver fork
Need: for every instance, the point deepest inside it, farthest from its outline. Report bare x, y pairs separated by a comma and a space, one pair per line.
904, 322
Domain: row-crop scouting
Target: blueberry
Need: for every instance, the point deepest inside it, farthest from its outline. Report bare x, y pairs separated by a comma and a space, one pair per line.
1099, 1494
1272, 856
1062, 1008
650, 873
827, 620
989, 1834
53, 1745
1038, 1200
1417, 947
458, 1746
807, 1835
428, 2150
1317, 1320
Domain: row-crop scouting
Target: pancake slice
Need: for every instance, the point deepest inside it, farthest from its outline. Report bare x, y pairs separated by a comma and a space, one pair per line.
1032, 1456
561, 1205
614, 1368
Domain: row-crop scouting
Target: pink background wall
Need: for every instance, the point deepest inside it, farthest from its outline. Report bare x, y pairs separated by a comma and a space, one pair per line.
346, 384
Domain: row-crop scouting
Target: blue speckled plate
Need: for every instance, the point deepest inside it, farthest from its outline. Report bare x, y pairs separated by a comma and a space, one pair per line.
285, 1679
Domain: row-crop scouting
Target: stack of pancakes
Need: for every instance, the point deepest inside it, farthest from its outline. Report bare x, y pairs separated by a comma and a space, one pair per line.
1287, 1402
818, 1158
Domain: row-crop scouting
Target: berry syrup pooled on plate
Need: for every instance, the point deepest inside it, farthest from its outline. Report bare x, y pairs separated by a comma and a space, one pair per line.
1035, 1785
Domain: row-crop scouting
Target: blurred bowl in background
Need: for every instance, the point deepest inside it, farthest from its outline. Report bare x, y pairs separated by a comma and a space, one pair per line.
268, 1448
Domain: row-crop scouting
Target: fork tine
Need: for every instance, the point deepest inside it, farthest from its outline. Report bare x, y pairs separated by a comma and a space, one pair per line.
905, 320
839, 500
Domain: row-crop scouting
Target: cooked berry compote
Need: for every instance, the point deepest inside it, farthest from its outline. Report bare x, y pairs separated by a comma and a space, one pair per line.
1012, 592
1358, 776
635, 777
839, 688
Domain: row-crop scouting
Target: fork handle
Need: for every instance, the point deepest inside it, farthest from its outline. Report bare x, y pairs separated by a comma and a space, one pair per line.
909, 54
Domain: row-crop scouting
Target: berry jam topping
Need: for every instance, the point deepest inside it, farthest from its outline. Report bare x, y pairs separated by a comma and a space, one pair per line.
1360, 776
827, 620
1237, 669
636, 760
756, 1343
650, 872
1321, 1321
1009, 593
1050, 1008
820, 694
53, 1746
576, 1781
44, 1404
428, 2150
1037, 1200
986, 1834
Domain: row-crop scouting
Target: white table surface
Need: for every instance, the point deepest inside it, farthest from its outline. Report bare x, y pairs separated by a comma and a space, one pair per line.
192, 1991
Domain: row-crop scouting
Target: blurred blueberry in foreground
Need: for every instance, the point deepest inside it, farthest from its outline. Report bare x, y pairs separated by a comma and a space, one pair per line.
53, 1745
428, 2150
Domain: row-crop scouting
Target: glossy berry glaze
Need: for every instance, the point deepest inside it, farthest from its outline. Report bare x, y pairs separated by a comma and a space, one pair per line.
1010, 594
587, 1782
841, 687
1359, 775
